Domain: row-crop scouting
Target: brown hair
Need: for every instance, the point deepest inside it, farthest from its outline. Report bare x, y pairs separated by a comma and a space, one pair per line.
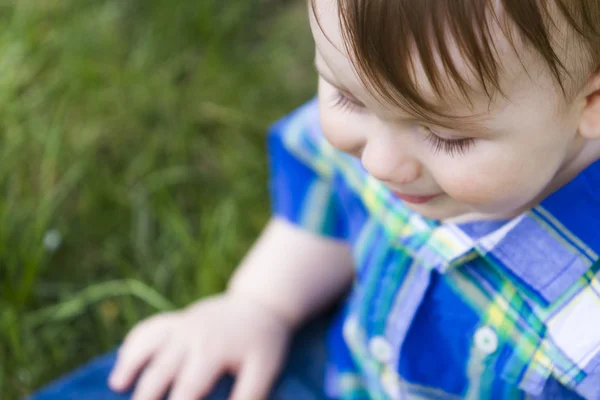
381, 37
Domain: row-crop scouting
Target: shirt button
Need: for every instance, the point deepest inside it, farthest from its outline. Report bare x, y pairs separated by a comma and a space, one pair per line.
381, 349
351, 329
486, 340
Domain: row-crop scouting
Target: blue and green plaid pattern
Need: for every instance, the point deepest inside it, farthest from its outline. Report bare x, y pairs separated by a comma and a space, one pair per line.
482, 310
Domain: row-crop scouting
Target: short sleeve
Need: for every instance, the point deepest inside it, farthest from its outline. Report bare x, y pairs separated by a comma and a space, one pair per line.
302, 175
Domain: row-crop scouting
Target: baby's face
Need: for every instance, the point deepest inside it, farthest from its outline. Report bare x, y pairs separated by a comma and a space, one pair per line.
512, 152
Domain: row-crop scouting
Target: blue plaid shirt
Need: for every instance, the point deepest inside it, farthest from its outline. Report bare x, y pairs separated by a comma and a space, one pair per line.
483, 310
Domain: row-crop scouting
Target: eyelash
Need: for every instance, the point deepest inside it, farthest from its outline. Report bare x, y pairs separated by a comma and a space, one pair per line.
451, 147
345, 103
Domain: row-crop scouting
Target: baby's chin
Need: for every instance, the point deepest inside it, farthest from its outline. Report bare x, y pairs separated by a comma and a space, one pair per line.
441, 208
448, 210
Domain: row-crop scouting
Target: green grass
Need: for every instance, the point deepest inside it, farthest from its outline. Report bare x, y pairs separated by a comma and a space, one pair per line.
136, 130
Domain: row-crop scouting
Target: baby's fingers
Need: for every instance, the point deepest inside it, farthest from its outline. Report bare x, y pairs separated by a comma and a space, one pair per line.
197, 378
256, 377
159, 374
134, 354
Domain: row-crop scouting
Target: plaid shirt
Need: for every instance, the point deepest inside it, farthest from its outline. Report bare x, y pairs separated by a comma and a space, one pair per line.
482, 310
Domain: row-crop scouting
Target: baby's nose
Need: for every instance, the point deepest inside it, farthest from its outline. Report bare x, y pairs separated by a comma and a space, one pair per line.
387, 163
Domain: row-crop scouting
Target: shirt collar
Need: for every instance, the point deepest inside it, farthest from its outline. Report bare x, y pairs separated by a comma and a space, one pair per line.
550, 247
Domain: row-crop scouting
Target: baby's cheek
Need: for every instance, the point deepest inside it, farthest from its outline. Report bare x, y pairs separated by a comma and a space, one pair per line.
492, 186
338, 132
471, 188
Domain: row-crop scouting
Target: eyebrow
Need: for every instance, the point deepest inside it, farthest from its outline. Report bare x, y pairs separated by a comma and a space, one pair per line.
471, 125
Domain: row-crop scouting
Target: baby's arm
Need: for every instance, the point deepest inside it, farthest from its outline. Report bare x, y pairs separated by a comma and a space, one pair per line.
295, 272
288, 276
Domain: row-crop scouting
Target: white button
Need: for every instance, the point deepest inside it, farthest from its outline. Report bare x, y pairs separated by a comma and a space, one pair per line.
486, 340
381, 349
351, 328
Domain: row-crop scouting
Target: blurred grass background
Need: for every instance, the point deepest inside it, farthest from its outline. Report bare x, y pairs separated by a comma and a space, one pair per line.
132, 162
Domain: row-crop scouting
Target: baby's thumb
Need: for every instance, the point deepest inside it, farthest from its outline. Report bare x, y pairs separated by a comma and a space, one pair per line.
256, 377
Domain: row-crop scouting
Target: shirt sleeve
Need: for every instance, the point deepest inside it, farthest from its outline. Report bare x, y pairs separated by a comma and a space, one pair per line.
302, 174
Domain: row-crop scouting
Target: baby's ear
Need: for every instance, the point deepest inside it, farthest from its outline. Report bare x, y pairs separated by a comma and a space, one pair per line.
589, 125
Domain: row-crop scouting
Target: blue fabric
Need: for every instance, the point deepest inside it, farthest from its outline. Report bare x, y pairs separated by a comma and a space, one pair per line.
443, 314
293, 184
576, 217
301, 379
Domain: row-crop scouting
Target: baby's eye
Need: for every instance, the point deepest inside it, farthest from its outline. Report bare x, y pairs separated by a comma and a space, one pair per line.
452, 147
346, 101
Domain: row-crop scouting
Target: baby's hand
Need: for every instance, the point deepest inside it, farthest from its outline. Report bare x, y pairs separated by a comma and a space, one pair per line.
190, 349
